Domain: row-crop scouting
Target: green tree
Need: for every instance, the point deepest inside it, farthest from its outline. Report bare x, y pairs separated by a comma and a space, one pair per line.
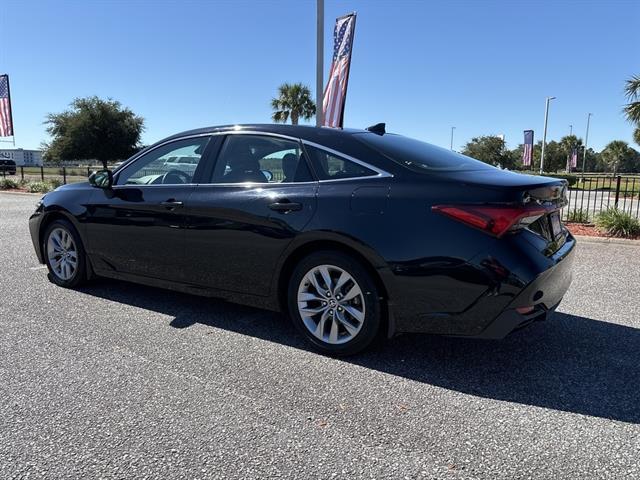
617, 155
555, 158
489, 149
632, 109
632, 91
293, 102
593, 162
567, 144
93, 129
516, 157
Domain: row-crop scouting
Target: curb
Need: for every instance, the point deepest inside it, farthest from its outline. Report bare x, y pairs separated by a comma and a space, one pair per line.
610, 240
14, 192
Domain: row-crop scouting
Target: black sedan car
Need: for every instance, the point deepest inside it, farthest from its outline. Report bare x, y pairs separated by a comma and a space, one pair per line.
7, 166
358, 234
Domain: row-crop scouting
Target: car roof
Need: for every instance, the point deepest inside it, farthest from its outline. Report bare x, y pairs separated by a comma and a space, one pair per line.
342, 140
305, 132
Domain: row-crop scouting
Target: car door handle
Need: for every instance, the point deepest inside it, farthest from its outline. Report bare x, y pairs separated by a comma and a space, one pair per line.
285, 206
171, 204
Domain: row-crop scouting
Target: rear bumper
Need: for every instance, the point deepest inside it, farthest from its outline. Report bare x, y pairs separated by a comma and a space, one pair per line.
493, 315
510, 321
544, 293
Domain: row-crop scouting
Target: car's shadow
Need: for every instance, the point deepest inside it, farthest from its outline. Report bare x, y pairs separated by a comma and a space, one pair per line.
568, 363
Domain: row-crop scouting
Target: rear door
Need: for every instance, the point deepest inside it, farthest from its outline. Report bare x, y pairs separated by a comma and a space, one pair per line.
138, 227
260, 195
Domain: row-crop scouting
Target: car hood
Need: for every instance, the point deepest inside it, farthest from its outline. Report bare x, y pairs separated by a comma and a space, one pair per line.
73, 186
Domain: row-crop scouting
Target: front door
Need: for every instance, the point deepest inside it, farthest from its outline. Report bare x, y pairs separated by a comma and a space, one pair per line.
260, 196
138, 226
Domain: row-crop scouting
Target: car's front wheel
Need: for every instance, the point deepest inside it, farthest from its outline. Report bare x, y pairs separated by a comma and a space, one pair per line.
64, 254
334, 302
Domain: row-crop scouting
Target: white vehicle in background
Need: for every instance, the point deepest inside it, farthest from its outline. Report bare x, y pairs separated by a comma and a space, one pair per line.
184, 164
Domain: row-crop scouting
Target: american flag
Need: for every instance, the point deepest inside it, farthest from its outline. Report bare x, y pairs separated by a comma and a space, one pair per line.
336, 90
574, 157
6, 122
527, 152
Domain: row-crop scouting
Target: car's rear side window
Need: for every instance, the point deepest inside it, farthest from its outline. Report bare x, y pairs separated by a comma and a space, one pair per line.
419, 155
333, 167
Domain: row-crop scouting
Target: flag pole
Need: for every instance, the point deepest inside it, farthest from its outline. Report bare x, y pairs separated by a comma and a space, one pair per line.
586, 142
319, 61
544, 133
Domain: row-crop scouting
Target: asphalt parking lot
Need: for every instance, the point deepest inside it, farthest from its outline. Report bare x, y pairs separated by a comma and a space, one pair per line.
121, 381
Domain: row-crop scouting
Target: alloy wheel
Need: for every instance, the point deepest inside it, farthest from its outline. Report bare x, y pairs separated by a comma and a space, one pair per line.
62, 253
331, 304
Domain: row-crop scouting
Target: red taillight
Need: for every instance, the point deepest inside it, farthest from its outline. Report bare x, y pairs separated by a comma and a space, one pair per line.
493, 219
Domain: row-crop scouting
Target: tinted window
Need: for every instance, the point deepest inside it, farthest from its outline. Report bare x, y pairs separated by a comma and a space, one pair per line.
260, 159
419, 155
171, 164
331, 167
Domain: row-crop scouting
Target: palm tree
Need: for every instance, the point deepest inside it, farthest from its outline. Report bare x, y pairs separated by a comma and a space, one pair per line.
568, 143
632, 109
615, 153
632, 91
293, 101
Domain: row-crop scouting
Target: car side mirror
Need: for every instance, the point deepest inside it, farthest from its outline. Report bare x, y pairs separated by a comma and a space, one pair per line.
101, 179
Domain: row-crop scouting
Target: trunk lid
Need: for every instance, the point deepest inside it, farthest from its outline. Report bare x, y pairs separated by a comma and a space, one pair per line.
544, 197
543, 190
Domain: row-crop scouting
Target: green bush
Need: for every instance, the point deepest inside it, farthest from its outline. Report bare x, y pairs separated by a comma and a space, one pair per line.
578, 216
39, 187
54, 182
8, 184
618, 223
571, 179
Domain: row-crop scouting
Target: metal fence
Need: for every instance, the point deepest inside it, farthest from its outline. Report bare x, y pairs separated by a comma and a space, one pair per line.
591, 194
43, 174
65, 175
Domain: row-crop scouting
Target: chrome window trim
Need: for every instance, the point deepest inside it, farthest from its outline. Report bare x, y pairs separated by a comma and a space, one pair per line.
379, 172
254, 184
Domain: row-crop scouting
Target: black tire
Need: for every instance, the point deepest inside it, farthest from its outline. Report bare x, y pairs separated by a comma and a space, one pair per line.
372, 311
79, 276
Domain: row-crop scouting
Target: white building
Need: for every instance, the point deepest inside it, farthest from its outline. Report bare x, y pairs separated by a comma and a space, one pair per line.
22, 157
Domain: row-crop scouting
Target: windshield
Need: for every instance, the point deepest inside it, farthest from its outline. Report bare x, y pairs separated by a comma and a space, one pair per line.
419, 155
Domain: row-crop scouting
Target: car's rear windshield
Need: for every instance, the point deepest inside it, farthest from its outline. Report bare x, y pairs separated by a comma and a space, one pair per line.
419, 155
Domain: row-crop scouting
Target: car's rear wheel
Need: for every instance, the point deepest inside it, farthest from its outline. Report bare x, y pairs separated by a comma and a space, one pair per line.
334, 303
64, 254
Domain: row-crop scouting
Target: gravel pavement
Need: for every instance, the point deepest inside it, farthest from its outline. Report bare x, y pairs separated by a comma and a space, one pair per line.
122, 381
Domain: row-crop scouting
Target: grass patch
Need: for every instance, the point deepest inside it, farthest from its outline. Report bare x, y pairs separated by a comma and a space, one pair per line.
618, 223
578, 216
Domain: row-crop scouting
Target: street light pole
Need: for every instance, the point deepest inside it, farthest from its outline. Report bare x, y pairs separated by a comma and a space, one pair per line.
570, 130
544, 134
452, 129
586, 140
319, 60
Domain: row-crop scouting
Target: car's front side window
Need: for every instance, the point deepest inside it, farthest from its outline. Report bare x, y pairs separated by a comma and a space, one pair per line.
260, 159
172, 164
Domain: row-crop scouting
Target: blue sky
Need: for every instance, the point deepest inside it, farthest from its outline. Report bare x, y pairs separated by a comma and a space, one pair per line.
484, 67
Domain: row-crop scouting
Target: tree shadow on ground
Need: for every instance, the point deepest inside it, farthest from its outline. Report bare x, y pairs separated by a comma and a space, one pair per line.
568, 363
